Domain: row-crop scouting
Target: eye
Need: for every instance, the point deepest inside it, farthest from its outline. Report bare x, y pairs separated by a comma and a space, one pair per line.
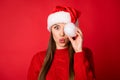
57, 27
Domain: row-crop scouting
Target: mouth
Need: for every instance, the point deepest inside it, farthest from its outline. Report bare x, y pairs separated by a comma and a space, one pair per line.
62, 40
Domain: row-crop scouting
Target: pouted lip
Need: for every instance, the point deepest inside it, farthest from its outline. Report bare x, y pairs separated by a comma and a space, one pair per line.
62, 40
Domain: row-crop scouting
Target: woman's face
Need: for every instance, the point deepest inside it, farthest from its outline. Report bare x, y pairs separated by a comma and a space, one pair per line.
59, 36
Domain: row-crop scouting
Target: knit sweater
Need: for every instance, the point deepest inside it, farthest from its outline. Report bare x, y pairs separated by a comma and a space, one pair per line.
59, 69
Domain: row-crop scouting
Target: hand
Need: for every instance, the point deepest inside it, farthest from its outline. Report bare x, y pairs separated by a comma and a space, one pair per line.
77, 42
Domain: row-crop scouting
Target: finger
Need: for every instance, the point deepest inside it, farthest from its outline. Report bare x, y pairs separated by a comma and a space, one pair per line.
79, 34
70, 38
79, 30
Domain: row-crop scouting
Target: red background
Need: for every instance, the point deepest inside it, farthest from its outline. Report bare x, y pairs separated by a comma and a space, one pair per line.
23, 32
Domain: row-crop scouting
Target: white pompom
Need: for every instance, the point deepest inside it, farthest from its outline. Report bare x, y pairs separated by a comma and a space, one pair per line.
70, 29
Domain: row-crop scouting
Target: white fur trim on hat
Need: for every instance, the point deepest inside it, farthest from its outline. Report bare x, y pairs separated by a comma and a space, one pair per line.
58, 17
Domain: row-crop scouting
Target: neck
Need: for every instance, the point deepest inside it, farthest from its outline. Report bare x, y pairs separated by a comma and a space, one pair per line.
61, 47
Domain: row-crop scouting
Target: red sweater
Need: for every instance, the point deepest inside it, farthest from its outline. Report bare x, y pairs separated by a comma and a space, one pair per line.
59, 69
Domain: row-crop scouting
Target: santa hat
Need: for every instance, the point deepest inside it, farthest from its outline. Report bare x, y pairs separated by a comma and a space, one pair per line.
63, 15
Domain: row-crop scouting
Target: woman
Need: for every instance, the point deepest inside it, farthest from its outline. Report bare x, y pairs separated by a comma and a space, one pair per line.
65, 57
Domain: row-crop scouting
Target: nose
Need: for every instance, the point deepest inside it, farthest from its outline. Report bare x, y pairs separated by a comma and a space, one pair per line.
62, 33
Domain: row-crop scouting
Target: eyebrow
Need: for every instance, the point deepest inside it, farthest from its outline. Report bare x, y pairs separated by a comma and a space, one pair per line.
55, 25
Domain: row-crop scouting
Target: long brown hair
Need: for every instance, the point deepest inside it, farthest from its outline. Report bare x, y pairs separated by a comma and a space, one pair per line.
49, 58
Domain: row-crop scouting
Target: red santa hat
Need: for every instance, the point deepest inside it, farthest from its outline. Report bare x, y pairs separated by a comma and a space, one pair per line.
63, 15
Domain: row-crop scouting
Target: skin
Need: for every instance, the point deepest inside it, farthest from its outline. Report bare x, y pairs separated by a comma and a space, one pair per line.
58, 33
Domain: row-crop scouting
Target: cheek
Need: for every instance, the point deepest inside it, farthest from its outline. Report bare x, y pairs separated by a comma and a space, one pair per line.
67, 40
55, 37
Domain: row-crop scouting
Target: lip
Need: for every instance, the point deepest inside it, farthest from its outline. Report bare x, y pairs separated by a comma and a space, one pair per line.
62, 40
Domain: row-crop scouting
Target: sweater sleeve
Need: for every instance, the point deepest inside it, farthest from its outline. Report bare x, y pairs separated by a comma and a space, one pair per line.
81, 67
34, 67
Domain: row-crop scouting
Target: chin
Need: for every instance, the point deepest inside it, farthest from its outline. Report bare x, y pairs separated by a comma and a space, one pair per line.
63, 45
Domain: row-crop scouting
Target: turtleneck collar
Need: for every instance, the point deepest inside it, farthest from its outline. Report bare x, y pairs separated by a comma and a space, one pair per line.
60, 51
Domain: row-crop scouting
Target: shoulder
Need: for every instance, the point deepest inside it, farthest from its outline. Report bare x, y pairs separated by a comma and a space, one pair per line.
35, 65
90, 59
39, 56
88, 54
